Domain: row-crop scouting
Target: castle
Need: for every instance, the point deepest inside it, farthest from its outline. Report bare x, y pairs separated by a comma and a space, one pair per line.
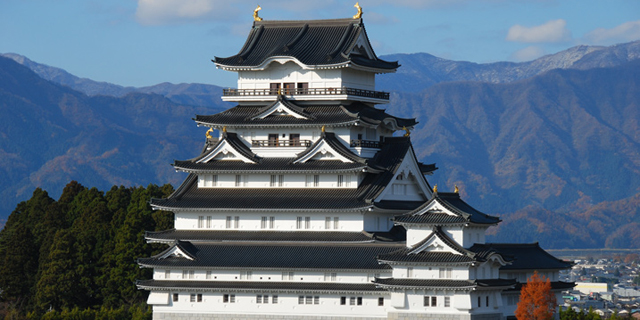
308, 202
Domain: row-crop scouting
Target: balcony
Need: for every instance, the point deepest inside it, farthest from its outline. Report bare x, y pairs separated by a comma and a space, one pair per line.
280, 143
365, 144
234, 94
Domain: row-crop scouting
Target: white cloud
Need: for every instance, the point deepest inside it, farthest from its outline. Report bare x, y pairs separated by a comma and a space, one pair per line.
527, 54
159, 12
551, 31
628, 31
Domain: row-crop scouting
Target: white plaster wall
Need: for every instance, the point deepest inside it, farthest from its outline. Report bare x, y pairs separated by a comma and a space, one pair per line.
376, 221
427, 272
284, 221
358, 79
271, 276
289, 72
245, 303
415, 302
226, 180
416, 234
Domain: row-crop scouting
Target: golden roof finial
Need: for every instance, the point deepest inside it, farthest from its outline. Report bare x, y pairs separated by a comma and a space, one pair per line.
435, 188
208, 134
279, 91
455, 189
323, 128
407, 132
255, 14
224, 129
359, 14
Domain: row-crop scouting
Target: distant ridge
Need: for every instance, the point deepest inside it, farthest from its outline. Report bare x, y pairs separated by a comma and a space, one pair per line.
422, 70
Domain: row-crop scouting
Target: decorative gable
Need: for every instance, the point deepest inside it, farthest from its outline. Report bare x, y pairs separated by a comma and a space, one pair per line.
225, 151
177, 252
435, 243
280, 109
363, 47
407, 183
323, 151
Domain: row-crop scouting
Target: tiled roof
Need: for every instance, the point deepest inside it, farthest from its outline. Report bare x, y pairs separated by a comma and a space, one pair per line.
169, 236
387, 160
270, 165
555, 285
526, 256
290, 105
242, 115
464, 213
446, 283
251, 255
331, 139
272, 286
312, 42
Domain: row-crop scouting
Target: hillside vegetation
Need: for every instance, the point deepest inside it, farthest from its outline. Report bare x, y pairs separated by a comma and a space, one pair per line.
76, 257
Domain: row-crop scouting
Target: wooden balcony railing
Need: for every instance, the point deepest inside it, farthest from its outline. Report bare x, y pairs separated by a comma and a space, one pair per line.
365, 143
281, 143
306, 91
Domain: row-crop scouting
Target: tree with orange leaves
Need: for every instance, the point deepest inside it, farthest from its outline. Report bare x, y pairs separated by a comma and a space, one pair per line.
537, 302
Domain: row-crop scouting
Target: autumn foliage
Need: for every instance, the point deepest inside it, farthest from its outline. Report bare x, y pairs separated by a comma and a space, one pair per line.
537, 302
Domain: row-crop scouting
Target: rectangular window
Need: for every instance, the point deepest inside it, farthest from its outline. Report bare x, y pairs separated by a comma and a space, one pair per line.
348, 182
309, 300
185, 274
265, 299
327, 222
487, 304
307, 222
287, 276
303, 88
228, 223
209, 218
236, 222
381, 301
214, 180
201, 222
274, 299
175, 297
479, 302
289, 87
294, 140
426, 301
308, 180
225, 298
316, 300
409, 272
272, 222
298, 222
300, 299
274, 181
434, 301
273, 88
316, 180
191, 274
167, 274
259, 298
343, 301
352, 301
238, 180
359, 301
281, 180
192, 298
447, 302
340, 180
263, 223
330, 276
335, 222
273, 140
208, 275
199, 297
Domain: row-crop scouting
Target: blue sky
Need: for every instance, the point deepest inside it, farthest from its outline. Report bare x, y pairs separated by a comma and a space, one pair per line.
146, 42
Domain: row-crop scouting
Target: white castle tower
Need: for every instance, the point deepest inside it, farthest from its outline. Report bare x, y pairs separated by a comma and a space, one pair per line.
311, 204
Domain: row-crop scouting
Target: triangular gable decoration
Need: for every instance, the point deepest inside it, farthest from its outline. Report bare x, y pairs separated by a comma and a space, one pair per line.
323, 151
434, 243
279, 109
224, 151
176, 251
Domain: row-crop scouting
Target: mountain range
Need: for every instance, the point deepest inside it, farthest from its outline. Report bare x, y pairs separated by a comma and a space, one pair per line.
552, 146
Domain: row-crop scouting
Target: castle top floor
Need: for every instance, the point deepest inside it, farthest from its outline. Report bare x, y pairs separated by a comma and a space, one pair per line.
307, 60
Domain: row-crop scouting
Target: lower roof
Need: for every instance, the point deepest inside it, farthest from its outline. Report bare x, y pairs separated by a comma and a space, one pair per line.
526, 256
444, 283
253, 286
169, 236
273, 256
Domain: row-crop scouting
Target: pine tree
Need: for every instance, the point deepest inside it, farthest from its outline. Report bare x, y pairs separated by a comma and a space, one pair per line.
537, 302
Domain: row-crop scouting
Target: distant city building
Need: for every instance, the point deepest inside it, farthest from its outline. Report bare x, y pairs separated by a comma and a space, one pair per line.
309, 202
